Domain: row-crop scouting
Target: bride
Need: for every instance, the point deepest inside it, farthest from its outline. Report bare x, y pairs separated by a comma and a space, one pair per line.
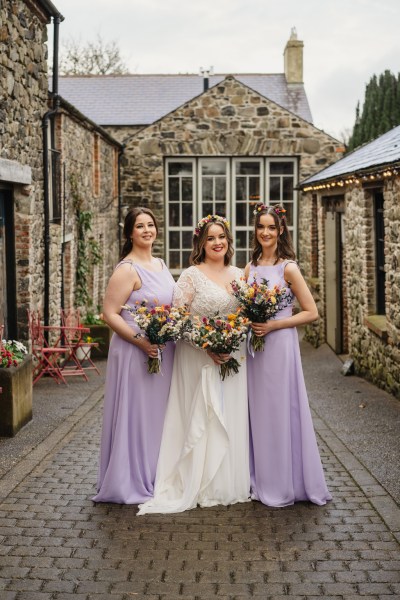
204, 455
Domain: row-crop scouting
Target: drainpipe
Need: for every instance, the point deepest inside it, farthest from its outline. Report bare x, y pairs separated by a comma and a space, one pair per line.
57, 18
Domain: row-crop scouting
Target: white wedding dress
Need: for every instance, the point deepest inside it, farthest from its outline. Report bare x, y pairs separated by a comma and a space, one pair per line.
204, 454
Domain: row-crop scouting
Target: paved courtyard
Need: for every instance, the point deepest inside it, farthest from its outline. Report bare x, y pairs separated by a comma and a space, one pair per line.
55, 543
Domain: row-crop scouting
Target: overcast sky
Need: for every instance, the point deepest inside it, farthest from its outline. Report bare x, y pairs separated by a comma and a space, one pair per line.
345, 41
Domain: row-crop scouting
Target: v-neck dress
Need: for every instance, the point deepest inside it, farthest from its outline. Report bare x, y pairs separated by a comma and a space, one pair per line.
204, 454
135, 402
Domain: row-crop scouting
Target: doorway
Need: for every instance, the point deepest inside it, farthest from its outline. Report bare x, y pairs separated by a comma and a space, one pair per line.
7, 265
333, 276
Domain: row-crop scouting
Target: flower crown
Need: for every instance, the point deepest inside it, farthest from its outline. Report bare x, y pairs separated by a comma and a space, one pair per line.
278, 210
208, 219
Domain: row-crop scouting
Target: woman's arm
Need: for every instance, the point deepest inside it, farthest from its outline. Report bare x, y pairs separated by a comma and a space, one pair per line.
309, 312
122, 282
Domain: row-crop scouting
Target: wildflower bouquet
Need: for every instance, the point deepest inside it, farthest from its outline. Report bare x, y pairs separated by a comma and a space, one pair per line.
260, 303
11, 353
160, 324
221, 336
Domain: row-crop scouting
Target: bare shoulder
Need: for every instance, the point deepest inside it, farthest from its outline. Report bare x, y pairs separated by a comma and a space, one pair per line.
125, 271
292, 272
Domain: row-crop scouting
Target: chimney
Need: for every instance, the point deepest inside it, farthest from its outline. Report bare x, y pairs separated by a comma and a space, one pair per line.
293, 57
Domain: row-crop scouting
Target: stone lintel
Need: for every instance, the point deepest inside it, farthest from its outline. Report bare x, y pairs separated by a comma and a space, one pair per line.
14, 172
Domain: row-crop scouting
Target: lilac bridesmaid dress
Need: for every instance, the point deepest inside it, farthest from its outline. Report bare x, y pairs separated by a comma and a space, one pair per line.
284, 459
134, 405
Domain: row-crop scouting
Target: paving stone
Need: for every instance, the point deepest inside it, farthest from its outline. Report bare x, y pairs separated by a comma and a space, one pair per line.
58, 545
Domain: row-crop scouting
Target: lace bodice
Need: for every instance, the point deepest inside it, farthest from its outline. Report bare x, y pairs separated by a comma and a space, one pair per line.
204, 297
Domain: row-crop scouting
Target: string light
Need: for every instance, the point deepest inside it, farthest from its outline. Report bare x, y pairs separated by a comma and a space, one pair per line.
354, 179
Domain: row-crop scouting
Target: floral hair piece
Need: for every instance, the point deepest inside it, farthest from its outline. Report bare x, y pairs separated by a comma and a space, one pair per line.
208, 219
279, 211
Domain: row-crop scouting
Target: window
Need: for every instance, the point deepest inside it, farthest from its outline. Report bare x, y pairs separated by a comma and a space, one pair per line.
196, 187
247, 192
213, 187
379, 254
181, 217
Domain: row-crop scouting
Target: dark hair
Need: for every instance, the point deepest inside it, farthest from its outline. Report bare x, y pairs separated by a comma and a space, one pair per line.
129, 224
285, 246
198, 254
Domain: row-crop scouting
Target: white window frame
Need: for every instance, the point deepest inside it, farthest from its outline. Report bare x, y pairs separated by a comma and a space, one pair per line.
196, 162
285, 159
201, 161
168, 227
235, 226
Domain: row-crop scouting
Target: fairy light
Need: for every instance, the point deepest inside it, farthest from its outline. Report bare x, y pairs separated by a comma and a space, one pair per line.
383, 174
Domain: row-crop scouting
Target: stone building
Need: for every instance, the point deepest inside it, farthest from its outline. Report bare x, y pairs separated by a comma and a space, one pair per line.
354, 257
191, 149
50, 156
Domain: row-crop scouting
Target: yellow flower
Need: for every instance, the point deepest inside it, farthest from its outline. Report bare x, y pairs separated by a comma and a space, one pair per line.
250, 292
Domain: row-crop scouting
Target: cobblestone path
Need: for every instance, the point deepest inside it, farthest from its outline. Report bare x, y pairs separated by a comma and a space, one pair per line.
55, 543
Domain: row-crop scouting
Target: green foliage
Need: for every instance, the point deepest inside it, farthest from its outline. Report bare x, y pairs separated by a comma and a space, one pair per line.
381, 109
89, 250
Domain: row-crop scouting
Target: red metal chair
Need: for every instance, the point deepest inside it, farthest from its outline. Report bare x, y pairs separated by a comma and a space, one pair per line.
50, 358
76, 338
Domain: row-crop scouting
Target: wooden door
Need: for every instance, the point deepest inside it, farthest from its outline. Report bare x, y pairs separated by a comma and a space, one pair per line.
333, 281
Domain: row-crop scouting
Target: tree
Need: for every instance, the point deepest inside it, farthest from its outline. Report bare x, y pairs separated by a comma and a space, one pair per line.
380, 111
91, 58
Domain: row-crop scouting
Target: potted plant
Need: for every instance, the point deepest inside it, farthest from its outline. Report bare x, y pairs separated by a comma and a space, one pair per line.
16, 384
99, 332
85, 348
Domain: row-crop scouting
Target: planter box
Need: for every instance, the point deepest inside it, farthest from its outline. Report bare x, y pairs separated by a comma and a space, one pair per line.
102, 334
16, 399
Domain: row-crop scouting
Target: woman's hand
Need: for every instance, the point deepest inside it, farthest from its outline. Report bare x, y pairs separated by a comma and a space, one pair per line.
150, 349
219, 359
262, 329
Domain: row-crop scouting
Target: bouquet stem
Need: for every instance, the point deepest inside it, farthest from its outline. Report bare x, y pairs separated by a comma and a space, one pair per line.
154, 365
257, 343
231, 366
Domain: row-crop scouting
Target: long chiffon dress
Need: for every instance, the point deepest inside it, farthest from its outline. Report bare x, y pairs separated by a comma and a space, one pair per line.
134, 404
204, 450
284, 459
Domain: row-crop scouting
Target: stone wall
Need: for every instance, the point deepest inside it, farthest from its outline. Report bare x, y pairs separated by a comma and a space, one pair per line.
229, 119
374, 349
76, 140
23, 85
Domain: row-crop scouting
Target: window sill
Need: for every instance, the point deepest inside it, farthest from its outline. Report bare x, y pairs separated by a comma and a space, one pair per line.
377, 324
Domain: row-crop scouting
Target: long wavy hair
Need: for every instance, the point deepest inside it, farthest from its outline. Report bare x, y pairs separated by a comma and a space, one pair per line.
284, 248
198, 254
129, 224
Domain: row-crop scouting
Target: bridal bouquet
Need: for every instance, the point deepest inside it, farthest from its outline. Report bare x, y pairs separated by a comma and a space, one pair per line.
221, 336
259, 303
160, 324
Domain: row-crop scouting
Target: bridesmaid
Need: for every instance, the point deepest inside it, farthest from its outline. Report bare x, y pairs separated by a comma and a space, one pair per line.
134, 400
284, 459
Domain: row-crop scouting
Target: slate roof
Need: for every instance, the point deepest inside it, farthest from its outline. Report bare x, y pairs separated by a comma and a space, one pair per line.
142, 99
382, 151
